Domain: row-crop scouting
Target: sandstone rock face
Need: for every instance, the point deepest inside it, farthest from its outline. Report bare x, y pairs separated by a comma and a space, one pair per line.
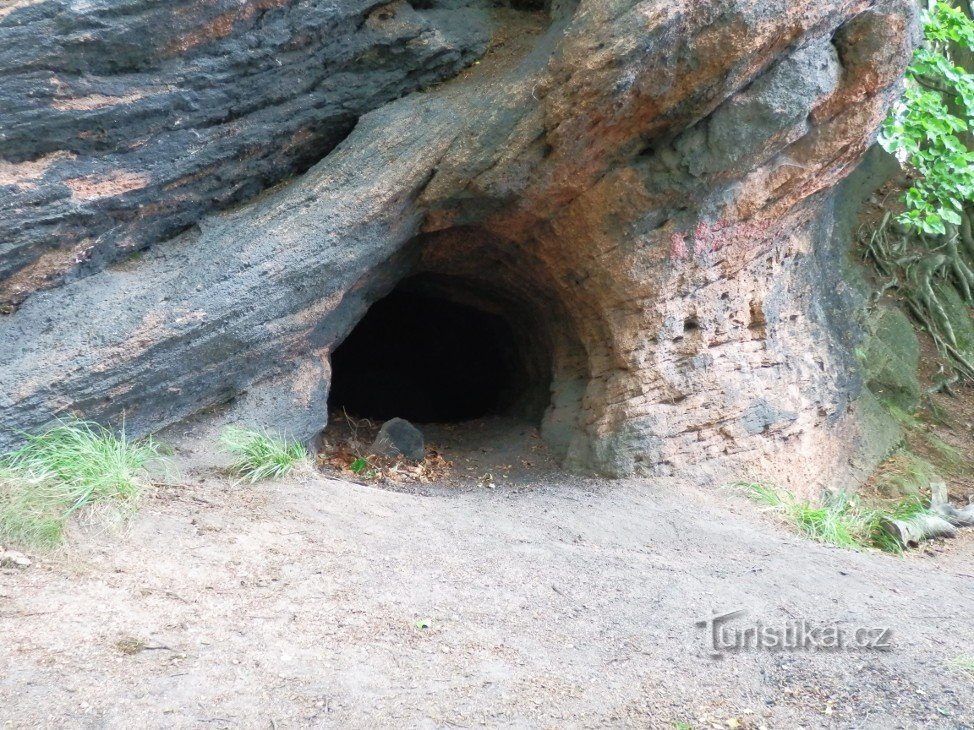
126, 121
640, 189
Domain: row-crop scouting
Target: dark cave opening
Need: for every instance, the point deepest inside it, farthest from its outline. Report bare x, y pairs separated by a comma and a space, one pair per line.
429, 353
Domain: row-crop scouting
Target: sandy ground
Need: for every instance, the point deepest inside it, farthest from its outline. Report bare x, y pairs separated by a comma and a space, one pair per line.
560, 602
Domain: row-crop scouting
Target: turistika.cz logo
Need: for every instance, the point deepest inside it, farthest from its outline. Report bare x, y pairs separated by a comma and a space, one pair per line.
794, 635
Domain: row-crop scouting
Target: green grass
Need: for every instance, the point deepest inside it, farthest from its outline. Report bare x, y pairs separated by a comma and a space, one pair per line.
902, 510
842, 520
963, 664
258, 455
905, 473
67, 468
761, 493
832, 523
950, 456
916, 469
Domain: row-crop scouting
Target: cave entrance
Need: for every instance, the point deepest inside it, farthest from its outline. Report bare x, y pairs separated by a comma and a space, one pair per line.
477, 342
440, 350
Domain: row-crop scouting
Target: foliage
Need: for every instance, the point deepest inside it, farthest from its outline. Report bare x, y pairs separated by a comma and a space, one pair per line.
926, 253
259, 455
842, 520
926, 129
71, 466
359, 465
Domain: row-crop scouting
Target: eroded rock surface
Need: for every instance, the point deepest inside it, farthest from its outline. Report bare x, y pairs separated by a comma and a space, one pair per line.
124, 122
641, 188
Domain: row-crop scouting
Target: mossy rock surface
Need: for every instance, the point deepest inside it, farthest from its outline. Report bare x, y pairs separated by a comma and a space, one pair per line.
958, 316
890, 356
880, 434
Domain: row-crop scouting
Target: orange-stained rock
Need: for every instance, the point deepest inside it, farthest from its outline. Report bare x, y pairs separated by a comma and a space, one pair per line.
641, 188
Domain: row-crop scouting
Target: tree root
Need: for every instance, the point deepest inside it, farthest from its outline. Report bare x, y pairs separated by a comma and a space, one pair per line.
941, 520
910, 533
914, 264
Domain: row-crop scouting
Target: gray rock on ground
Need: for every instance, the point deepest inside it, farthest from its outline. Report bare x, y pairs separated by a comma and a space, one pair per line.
399, 437
13, 559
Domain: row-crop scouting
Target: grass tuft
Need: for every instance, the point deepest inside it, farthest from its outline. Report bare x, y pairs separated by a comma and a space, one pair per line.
71, 466
905, 473
842, 520
963, 664
761, 493
834, 523
259, 455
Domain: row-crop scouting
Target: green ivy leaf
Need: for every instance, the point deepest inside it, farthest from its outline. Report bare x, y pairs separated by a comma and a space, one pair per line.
923, 132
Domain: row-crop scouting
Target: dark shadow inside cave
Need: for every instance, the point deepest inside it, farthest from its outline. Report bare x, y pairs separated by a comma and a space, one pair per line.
432, 351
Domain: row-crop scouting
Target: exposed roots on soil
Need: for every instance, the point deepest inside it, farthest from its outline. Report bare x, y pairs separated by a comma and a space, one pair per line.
917, 266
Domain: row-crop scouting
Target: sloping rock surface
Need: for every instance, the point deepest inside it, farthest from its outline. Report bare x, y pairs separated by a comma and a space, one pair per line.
642, 187
125, 121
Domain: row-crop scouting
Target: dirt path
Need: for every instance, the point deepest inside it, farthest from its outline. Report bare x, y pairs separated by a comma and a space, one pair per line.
571, 604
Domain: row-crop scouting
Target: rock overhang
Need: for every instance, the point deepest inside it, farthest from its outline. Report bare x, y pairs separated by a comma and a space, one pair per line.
606, 155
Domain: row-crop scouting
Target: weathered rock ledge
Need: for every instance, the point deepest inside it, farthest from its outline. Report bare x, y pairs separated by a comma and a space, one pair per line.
642, 189
125, 122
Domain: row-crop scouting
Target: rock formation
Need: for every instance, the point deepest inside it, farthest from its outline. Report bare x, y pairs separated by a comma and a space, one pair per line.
641, 190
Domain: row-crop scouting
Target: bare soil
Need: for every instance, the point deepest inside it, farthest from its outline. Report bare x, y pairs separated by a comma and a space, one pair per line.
488, 452
525, 601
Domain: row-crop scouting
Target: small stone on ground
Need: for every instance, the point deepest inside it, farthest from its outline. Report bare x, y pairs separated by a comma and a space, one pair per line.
13, 559
399, 437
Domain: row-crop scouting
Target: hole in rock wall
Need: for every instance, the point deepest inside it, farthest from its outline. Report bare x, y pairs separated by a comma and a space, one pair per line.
481, 334
423, 354
528, 5
425, 359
